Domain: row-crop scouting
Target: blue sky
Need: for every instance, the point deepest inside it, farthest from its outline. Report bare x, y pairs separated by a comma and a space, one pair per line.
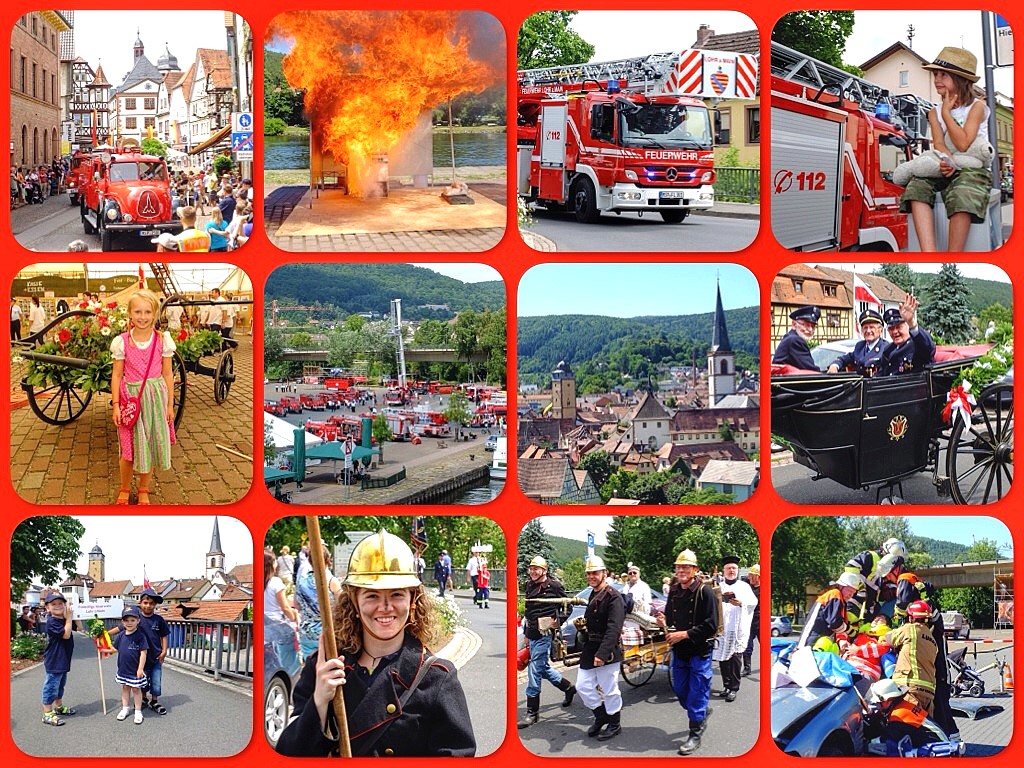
632, 290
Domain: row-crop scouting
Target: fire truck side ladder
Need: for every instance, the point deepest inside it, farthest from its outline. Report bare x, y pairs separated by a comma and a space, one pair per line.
164, 279
638, 72
396, 331
908, 112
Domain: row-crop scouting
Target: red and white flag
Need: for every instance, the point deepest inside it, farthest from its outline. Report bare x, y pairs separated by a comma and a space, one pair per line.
145, 579
142, 277
862, 294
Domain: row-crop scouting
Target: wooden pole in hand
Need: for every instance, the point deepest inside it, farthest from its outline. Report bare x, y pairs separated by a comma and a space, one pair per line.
99, 663
323, 594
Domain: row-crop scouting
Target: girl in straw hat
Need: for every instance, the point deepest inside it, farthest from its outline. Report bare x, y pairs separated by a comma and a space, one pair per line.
955, 124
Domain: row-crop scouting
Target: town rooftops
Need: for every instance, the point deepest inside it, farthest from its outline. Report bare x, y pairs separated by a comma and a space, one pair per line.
729, 472
110, 589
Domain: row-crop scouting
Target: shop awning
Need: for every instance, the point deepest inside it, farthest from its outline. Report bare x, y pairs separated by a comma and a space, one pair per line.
217, 138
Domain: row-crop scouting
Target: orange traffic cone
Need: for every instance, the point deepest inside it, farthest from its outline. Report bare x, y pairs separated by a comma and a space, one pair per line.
1007, 678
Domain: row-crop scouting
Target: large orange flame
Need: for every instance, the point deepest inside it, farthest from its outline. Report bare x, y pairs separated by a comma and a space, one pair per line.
368, 75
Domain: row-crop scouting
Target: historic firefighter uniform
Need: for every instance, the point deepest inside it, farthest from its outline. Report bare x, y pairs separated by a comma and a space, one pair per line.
908, 356
793, 349
602, 652
541, 618
691, 624
866, 356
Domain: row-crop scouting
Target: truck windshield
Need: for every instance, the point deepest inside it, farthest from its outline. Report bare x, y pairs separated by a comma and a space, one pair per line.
667, 125
146, 171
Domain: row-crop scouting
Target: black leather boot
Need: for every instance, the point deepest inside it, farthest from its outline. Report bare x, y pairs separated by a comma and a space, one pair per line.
692, 743
532, 712
568, 689
613, 729
600, 718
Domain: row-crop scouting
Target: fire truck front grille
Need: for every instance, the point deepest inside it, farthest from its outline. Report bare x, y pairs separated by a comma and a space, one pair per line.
672, 177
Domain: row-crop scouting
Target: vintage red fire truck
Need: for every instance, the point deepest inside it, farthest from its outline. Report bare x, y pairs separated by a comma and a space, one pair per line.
127, 195
836, 140
79, 171
627, 135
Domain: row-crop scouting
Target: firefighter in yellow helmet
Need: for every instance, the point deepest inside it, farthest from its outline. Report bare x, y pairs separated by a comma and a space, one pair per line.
830, 609
691, 624
541, 621
602, 652
382, 620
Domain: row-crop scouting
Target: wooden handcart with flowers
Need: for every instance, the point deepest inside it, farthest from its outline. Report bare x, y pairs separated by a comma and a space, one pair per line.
954, 418
69, 360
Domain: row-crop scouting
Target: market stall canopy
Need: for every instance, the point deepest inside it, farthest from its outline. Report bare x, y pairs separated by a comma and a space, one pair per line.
283, 433
334, 450
220, 137
236, 282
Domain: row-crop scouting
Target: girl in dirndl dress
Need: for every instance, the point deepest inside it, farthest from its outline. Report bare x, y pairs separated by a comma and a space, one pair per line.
147, 444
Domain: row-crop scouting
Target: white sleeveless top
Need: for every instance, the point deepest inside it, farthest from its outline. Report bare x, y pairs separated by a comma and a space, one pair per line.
960, 115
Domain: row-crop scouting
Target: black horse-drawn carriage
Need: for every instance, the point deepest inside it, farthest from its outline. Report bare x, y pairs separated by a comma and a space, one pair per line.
875, 432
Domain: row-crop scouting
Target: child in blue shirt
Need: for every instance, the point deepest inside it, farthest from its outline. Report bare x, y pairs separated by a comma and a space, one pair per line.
156, 627
132, 648
57, 657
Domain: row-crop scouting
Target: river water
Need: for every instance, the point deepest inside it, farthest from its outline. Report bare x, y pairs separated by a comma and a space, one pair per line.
286, 152
480, 493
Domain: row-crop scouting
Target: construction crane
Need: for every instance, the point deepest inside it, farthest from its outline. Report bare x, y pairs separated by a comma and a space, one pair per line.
905, 111
396, 331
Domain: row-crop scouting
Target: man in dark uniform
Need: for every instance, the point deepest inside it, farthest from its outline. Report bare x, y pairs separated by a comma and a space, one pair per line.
912, 348
793, 349
867, 353
873, 566
830, 616
753, 578
691, 624
541, 618
602, 652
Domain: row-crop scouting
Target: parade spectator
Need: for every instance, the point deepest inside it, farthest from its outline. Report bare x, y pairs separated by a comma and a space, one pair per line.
215, 312
60, 645
440, 574
484, 582
738, 604
190, 239
26, 622
285, 567
540, 619
235, 236
310, 624
638, 588
382, 621
691, 623
36, 318
793, 349
280, 619
15, 320
598, 679
227, 203
218, 231
753, 578
230, 310
472, 572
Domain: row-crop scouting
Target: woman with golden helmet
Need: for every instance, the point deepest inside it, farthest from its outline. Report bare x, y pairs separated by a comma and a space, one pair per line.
400, 700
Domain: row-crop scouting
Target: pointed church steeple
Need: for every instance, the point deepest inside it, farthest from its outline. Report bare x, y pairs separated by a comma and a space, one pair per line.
139, 49
719, 333
215, 546
215, 557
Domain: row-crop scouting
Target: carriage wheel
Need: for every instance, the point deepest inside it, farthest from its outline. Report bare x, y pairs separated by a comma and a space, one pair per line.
979, 459
58, 404
638, 668
224, 377
180, 384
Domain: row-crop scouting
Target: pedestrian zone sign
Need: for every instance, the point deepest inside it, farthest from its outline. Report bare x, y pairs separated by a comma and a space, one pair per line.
241, 142
241, 122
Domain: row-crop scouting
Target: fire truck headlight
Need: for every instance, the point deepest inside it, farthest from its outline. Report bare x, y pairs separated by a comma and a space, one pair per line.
630, 195
127, 218
631, 175
112, 213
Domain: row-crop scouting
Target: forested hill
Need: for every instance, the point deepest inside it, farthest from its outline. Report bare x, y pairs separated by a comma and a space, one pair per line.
619, 342
984, 293
941, 552
352, 288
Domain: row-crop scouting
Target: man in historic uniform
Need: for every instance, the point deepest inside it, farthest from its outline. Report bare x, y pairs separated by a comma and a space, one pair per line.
602, 652
867, 353
691, 623
912, 348
793, 349
541, 619
738, 604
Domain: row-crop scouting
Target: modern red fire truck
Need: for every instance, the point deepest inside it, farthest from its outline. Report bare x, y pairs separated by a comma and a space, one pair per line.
627, 135
836, 140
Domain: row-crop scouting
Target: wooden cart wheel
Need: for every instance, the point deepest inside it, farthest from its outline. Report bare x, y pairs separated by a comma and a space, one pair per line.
180, 385
979, 459
224, 377
638, 668
58, 404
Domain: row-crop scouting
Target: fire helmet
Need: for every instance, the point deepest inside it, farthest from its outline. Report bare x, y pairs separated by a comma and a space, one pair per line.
894, 546
594, 563
885, 690
687, 557
886, 564
849, 579
755, 569
382, 561
919, 609
826, 645
539, 562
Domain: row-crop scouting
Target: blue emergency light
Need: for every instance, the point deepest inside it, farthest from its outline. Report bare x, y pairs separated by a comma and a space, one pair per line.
882, 111
613, 86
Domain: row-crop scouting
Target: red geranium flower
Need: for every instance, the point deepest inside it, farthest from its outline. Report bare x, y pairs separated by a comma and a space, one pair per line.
182, 334
103, 321
83, 305
64, 336
85, 332
112, 305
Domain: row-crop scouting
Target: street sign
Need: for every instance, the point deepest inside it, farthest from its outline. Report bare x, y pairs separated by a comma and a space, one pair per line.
1004, 42
590, 543
241, 142
244, 156
241, 122
68, 131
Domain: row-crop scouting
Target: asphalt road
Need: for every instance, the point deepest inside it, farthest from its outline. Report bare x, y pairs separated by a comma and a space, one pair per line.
483, 677
990, 730
653, 722
630, 233
205, 718
52, 225
793, 483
